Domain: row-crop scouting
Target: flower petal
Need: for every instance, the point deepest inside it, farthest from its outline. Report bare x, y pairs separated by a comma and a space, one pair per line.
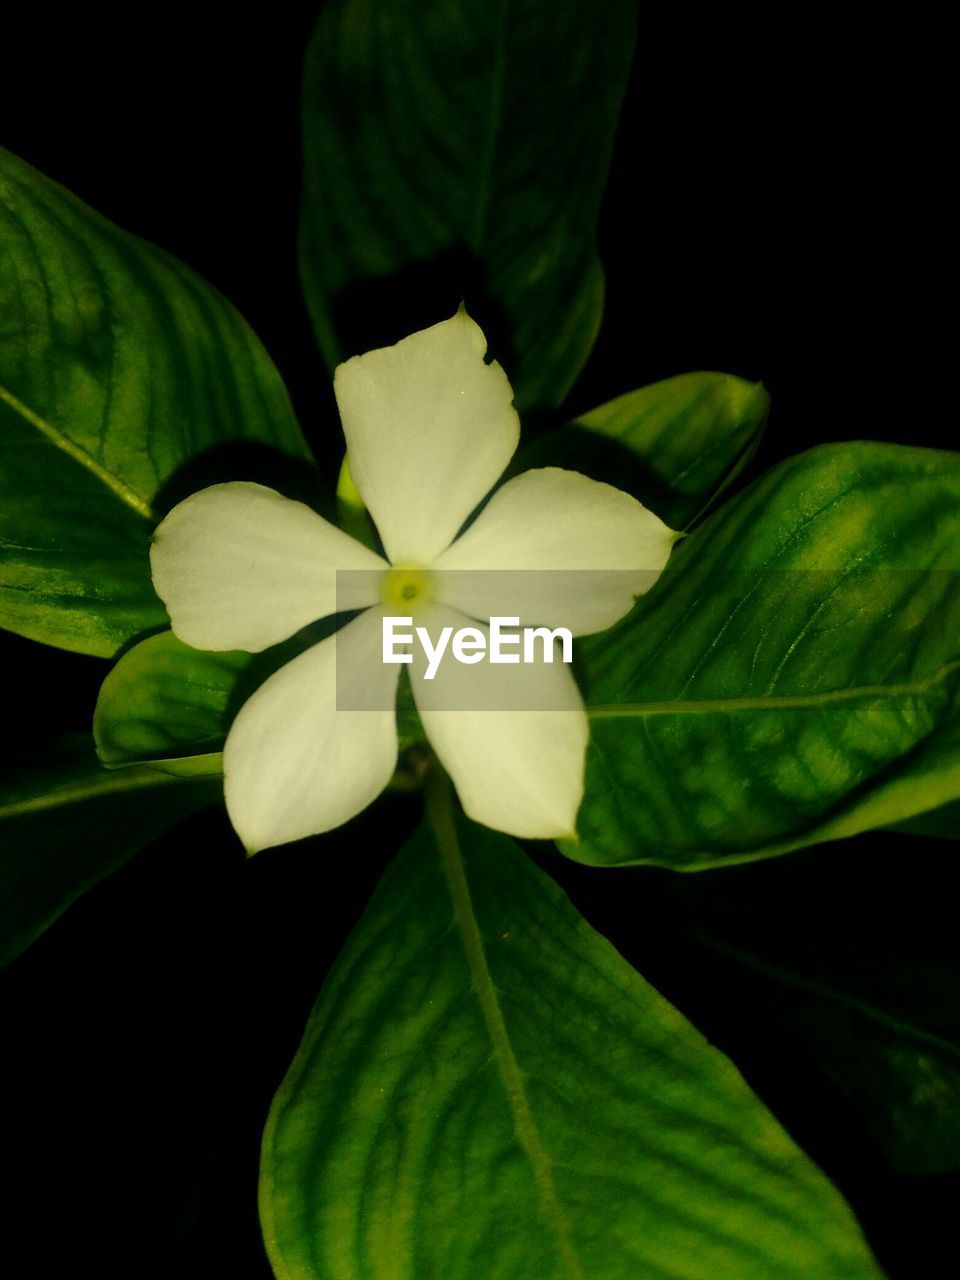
553, 547
239, 566
512, 738
294, 765
430, 428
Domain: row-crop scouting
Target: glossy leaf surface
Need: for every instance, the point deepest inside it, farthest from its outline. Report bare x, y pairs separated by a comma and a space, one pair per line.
487, 1089
126, 382
459, 152
793, 676
674, 444
169, 704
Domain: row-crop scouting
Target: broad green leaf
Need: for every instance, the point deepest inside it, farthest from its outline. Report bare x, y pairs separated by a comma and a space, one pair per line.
169, 705
793, 677
868, 998
460, 152
68, 822
675, 445
486, 1088
126, 382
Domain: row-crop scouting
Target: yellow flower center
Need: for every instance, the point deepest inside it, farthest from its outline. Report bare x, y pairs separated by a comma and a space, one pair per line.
406, 588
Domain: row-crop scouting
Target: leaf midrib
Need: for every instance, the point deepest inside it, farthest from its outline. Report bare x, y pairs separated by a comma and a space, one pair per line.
772, 702
78, 454
441, 813
92, 789
485, 179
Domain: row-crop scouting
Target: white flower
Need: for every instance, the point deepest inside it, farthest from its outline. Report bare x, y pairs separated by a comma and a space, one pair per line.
430, 428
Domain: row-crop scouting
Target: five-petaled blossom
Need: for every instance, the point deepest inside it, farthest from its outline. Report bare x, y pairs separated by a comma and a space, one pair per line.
430, 427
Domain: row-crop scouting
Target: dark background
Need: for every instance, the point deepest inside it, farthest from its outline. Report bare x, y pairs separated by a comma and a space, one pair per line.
773, 211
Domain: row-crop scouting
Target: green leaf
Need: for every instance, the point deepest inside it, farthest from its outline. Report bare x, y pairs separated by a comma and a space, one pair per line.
793, 677
68, 822
168, 704
126, 382
675, 445
421, 190
869, 998
486, 1088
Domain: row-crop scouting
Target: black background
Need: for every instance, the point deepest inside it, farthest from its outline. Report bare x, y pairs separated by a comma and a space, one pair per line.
774, 211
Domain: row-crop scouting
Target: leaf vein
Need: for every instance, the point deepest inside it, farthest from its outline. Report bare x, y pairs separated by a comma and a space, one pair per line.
79, 455
774, 702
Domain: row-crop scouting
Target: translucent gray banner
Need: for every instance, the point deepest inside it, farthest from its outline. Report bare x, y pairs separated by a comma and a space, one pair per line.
502, 640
